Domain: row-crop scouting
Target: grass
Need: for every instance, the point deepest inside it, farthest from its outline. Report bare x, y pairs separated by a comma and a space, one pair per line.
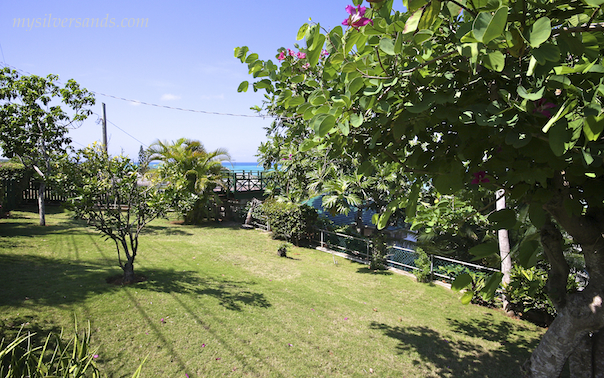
231, 307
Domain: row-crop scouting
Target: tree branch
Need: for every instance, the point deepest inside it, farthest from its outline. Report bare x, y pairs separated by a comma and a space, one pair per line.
463, 7
581, 29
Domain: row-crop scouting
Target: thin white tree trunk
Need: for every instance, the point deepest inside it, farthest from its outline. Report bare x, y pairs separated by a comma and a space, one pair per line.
504, 248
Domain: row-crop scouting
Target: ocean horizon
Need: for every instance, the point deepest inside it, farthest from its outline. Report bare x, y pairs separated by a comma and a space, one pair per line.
232, 166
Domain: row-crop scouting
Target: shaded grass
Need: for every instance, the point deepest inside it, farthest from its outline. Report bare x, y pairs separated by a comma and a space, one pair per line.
230, 306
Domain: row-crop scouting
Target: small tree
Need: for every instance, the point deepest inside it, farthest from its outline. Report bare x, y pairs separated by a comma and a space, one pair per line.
107, 192
33, 127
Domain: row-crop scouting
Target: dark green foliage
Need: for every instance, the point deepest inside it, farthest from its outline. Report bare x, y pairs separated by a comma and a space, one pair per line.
527, 294
282, 250
378, 251
14, 178
290, 221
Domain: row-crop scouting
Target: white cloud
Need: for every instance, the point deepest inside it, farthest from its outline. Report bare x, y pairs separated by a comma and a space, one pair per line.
169, 97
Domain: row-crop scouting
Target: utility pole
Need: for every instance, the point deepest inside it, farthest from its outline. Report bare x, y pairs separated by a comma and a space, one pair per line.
104, 129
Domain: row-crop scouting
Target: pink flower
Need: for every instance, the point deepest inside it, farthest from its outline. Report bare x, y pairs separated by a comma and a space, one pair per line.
480, 177
290, 345
203, 345
306, 66
356, 19
281, 55
324, 53
95, 356
301, 55
291, 52
541, 107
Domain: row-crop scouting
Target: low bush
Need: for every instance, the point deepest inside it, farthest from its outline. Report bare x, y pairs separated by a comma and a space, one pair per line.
290, 221
422, 274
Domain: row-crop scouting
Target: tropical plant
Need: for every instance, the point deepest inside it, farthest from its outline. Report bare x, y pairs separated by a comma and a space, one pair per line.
505, 95
201, 169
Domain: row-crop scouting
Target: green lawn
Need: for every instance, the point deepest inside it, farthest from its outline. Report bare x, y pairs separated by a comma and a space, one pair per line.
231, 307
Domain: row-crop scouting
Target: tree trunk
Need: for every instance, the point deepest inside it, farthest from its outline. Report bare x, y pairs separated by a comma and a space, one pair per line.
128, 272
41, 207
504, 250
580, 316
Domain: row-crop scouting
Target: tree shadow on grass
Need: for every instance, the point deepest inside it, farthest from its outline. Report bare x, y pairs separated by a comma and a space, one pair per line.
461, 358
231, 294
28, 280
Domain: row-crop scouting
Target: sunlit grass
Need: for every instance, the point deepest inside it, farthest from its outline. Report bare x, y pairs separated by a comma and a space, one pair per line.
231, 306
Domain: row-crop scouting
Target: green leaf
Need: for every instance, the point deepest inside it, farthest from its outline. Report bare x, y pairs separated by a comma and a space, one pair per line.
251, 58
492, 284
484, 250
308, 144
411, 207
323, 124
593, 127
503, 219
487, 27
461, 282
537, 214
344, 128
448, 184
539, 32
422, 36
243, 86
383, 220
355, 85
546, 52
522, 92
413, 21
313, 54
302, 32
295, 101
430, 15
558, 135
495, 61
568, 105
467, 297
356, 120
527, 253
387, 45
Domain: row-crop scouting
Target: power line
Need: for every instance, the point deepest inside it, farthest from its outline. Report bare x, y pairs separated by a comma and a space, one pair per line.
152, 104
181, 109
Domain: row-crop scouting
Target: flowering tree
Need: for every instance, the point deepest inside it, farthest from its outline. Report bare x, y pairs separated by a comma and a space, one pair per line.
466, 94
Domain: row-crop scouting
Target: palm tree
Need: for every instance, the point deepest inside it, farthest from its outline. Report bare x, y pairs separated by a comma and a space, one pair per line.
188, 160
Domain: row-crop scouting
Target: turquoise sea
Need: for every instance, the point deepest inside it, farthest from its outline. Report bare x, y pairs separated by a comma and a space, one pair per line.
243, 166
233, 166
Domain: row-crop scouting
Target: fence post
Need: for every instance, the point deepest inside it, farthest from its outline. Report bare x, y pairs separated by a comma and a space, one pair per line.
368, 250
431, 267
322, 238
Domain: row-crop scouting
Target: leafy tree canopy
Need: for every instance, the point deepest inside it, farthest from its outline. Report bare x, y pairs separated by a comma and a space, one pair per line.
466, 94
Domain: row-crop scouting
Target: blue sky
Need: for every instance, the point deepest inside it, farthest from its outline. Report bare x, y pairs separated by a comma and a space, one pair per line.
183, 58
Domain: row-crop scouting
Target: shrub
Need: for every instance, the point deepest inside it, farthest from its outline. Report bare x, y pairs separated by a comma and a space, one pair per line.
14, 179
378, 252
282, 250
290, 221
422, 274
